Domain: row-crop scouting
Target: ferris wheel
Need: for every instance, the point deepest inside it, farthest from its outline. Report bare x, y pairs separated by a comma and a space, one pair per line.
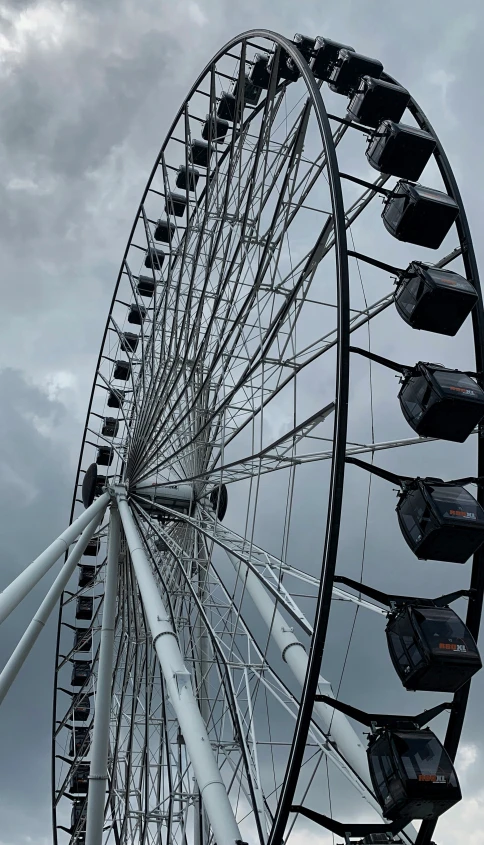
211, 519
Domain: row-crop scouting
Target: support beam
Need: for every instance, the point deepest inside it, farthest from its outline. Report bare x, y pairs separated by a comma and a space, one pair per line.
26, 581
25, 645
178, 683
100, 741
294, 654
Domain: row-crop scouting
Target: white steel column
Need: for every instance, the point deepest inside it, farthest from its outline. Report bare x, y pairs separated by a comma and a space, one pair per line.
178, 683
98, 773
21, 652
26, 581
335, 724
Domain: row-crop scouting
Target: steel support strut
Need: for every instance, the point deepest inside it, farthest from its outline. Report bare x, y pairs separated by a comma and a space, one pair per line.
24, 647
100, 741
178, 684
26, 581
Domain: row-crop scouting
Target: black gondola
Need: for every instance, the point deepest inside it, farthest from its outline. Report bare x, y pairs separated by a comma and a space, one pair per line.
146, 286
286, 68
439, 520
435, 400
375, 100
87, 575
348, 70
82, 709
326, 53
110, 427
431, 648
92, 548
176, 204
187, 177
219, 501
116, 398
251, 92
154, 258
79, 741
128, 342
78, 816
198, 152
443, 403
161, 545
79, 783
259, 74
227, 108
419, 215
82, 639
84, 607
122, 370
411, 772
104, 456
81, 672
433, 299
164, 231
400, 150
215, 129
136, 314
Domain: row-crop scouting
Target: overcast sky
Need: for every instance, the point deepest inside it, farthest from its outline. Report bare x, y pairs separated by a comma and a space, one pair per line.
88, 90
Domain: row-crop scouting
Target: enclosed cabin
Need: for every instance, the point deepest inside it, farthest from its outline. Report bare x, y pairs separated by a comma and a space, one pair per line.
229, 109
259, 74
199, 154
442, 403
116, 398
215, 129
431, 648
175, 204
84, 607
187, 178
79, 741
110, 427
82, 639
440, 522
412, 774
82, 709
81, 672
128, 343
92, 548
146, 286
161, 545
104, 456
325, 56
122, 370
375, 100
164, 231
78, 816
176, 497
154, 258
79, 783
286, 68
136, 314
419, 215
87, 576
348, 70
433, 299
400, 150
251, 93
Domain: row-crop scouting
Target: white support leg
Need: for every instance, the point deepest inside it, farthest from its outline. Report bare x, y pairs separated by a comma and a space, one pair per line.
26, 581
294, 654
100, 740
24, 647
178, 683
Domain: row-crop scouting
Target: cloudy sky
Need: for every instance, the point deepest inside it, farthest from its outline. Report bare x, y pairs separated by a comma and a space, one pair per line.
88, 90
